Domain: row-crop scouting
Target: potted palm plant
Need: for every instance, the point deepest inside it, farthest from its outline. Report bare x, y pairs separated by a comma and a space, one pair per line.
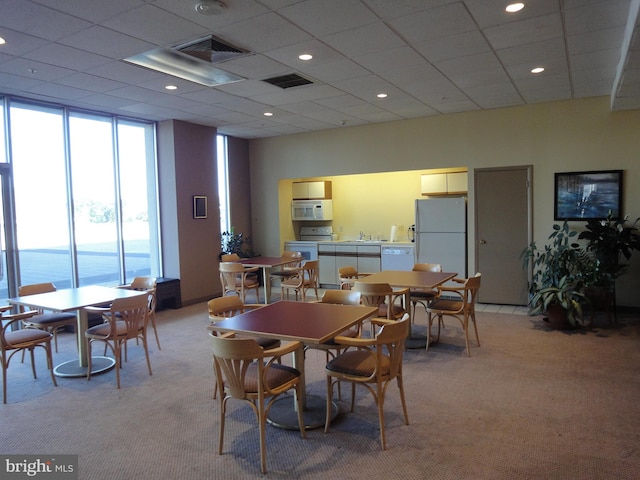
557, 280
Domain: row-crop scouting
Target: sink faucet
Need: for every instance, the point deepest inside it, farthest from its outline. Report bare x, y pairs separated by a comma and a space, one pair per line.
361, 235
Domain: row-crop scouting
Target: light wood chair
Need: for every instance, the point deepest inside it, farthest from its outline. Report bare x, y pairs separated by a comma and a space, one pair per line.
383, 296
124, 320
51, 322
249, 375
149, 285
348, 275
14, 339
288, 270
235, 278
372, 363
424, 296
461, 307
306, 278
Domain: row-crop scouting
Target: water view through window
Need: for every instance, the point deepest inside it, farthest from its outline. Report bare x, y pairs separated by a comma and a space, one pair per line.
84, 199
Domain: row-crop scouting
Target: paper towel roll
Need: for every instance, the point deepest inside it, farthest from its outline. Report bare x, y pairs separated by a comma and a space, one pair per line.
392, 235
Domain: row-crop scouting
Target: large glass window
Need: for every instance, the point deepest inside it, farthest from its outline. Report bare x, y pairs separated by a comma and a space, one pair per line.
223, 183
84, 190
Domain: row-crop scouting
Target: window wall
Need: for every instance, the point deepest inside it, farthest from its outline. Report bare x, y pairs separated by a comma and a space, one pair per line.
82, 197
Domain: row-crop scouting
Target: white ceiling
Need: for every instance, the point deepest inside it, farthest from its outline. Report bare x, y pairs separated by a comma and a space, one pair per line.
431, 57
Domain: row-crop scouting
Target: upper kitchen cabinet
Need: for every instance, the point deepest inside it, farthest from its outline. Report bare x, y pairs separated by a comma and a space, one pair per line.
311, 190
443, 183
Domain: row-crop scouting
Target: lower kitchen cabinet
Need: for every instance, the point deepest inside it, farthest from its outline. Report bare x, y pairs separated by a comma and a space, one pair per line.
365, 258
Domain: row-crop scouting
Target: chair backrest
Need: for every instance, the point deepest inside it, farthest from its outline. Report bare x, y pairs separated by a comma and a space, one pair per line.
427, 267
373, 294
143, 283
133, 311
34, 289
471, 287
230, 257
229, 272
232, 357
341, 297
347, 272
392, 337
225, 307
310, 271
295, 256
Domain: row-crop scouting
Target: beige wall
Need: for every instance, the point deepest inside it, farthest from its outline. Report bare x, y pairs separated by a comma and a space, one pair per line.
553, 137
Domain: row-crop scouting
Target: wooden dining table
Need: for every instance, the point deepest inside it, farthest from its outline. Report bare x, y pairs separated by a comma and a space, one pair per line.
306, 322
75, 299
410, 279
266, 264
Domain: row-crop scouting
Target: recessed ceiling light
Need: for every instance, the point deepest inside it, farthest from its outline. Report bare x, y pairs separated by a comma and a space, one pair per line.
171, 87
305, 57
514, 7
382, 95
537, 70
268, 114
2, 41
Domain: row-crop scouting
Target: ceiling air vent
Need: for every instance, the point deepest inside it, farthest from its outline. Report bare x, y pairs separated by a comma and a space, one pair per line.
211, 49
288, 81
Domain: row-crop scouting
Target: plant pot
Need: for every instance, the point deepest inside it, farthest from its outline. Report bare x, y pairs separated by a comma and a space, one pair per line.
557, 318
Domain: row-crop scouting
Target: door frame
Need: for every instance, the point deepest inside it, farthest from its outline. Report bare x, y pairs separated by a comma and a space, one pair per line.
529, 186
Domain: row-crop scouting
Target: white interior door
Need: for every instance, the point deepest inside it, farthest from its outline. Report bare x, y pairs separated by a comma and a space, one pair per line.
503, 230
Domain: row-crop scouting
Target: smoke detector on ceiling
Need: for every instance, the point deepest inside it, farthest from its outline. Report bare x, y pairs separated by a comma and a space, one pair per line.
210, 7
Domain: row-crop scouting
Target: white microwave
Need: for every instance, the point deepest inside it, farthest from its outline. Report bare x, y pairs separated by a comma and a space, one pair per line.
304, 210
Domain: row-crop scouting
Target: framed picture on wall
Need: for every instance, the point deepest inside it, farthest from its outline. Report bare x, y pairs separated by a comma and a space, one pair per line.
588, 195
199, 206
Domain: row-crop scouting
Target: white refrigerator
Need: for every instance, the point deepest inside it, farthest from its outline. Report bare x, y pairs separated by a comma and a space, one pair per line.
441, 233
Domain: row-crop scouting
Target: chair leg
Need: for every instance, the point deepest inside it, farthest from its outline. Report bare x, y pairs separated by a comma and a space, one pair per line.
33, 362
4, 381
223, 407
50, 364
301, 424
263, 436
327, 420
146, 352
380, 402
155, 330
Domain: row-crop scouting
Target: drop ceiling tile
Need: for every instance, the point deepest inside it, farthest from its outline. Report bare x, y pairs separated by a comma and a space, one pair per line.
395, 59
288, 55
17, 43
106, 42
328, 16
92, 11
91, 83
453, 46
334, 71
120, 70
154, 25
596, 16
69, 57
58, 91
525, 31
263, 33
400, 8
364, 40
37, 20
33, 69
433, 23
534, 52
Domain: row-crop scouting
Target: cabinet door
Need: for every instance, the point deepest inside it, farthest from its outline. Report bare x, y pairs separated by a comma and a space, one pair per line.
457, 182
328, 273
369, 258
318, 190
433, 184
300, 190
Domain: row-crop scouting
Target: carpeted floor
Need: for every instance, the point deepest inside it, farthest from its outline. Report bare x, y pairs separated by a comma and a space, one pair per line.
530, 403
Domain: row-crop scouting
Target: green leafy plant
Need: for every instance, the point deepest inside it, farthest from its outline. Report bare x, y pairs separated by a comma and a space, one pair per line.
558, 273
231, 242
610, 240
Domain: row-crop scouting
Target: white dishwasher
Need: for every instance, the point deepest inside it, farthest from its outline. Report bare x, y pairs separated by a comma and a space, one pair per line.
397, 257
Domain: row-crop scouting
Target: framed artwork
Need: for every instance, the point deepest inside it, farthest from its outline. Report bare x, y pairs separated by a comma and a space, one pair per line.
588, 195
199, 206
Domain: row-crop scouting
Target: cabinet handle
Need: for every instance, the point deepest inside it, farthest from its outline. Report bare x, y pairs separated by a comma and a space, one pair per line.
483, 242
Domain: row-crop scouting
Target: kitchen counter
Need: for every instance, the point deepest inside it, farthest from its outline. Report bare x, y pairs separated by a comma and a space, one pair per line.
366, 242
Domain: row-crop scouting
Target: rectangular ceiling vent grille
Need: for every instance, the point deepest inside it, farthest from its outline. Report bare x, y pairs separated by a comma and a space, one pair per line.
288, 81
211, 49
